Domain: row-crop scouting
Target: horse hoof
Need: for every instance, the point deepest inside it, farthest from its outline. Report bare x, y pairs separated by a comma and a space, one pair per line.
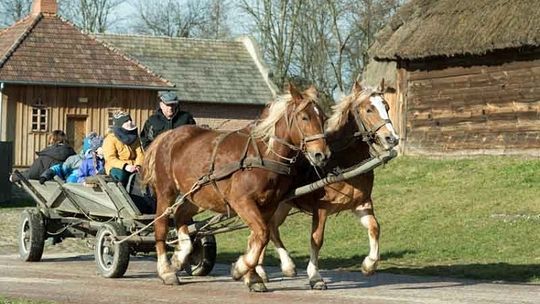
258, 287
170, 279
318, 285
262, 273
368, 270
290, 273
234, 273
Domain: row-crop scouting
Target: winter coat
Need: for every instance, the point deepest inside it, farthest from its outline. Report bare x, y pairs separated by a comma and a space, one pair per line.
67, 170
119, 155
52, 155
158, 123
90, 166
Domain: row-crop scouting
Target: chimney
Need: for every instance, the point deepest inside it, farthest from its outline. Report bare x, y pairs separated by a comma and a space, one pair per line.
44, 6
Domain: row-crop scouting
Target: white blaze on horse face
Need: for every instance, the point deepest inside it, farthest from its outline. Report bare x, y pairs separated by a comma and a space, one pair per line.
316, 110
378, 103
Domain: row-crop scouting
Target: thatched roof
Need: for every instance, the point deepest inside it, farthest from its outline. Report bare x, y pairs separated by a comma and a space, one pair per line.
426, 28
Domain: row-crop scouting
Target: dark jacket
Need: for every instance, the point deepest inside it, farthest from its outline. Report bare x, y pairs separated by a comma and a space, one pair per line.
158, 123
52, 155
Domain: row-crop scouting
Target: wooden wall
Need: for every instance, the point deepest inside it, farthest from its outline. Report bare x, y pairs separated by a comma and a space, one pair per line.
63, 102
473, 105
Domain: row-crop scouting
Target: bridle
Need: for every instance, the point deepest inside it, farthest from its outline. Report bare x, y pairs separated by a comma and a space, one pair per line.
290, 119
367, 134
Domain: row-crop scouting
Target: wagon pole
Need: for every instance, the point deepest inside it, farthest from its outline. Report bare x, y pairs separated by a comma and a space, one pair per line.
356, 170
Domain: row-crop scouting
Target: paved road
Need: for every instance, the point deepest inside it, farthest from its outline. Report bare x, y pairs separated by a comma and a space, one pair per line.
71, 278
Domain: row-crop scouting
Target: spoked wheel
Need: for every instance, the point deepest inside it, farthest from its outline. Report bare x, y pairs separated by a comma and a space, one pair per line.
202, 259
31, 236
112, 259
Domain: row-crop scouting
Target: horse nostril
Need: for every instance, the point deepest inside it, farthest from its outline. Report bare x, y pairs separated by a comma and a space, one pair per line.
392, 140
319, 156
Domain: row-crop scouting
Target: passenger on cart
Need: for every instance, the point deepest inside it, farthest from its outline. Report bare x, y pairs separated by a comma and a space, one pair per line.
93, 162
56, 153
167, 117
69, 170
122, 149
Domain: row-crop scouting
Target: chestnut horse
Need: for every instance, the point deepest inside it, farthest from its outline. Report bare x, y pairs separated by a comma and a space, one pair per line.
218, 163
359, 123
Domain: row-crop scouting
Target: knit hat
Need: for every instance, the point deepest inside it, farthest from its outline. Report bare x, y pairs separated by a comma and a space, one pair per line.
95, 143
92, 141
86, 141
119, 118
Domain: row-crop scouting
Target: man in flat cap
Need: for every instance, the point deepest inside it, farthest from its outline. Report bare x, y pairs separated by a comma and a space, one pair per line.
167, 117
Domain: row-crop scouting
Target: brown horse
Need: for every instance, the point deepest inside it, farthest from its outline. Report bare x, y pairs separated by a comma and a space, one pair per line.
359, 123
246, 172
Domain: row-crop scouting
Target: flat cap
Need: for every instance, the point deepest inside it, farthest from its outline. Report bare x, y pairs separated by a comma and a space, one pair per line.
168, 97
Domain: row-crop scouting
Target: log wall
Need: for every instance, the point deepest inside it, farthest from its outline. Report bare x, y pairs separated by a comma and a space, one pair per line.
474, 105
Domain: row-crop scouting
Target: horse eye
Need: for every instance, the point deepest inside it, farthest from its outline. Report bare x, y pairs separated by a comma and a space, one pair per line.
369, 110
305, 118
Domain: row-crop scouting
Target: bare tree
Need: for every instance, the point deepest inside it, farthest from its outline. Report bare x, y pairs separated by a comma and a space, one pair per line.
92, 16
275, 24
216, 27
174, 18
323, 42
13, 10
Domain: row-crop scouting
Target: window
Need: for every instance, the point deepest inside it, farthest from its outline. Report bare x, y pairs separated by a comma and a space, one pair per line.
39, 119
110, 116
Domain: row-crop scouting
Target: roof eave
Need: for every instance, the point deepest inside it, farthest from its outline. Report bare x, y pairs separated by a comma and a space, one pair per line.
86, 85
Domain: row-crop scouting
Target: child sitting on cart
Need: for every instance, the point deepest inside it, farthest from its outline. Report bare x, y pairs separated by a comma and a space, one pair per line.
93, 162
69, 169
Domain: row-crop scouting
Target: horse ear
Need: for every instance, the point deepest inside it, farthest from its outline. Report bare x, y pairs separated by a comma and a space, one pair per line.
312, 92
357, 87
381, 86
296, 95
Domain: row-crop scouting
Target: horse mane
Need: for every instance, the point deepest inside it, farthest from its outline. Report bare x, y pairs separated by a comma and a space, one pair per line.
266, 128
341, 110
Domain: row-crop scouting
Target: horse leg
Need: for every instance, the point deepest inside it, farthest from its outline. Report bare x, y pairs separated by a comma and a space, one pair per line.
287, 265
365, 213
317, 238
161, 228
288, 268
245, 265
183, 216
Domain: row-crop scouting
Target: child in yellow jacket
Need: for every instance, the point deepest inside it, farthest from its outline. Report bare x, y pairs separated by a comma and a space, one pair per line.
122, 149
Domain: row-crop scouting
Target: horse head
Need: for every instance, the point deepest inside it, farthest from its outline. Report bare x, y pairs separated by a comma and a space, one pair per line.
307, 122
368, 109
296, 121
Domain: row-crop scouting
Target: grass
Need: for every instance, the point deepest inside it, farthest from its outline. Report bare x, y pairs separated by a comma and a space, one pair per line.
475, 218
4, 300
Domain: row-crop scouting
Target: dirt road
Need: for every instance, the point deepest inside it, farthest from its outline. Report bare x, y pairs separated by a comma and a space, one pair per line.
71, 278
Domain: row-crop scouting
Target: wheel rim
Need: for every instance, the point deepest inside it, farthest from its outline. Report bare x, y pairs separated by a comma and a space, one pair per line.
106, 250
26, 235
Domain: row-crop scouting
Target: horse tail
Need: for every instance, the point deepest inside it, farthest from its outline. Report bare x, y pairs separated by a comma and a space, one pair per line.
149, 168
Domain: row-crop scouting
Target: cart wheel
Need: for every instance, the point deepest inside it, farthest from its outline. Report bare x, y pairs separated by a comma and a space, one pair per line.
111, 259
203, 256
31, 235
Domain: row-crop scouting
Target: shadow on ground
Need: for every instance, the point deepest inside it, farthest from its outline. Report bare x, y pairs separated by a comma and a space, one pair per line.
522, 273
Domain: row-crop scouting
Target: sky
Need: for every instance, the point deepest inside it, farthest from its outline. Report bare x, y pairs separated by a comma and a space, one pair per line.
126, 12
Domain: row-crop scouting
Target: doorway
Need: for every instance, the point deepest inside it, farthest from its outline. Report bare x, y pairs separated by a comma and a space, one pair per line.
76, 131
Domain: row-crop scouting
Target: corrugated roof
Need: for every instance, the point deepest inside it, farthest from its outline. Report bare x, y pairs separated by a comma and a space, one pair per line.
45, 49
216, 71
427, 28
